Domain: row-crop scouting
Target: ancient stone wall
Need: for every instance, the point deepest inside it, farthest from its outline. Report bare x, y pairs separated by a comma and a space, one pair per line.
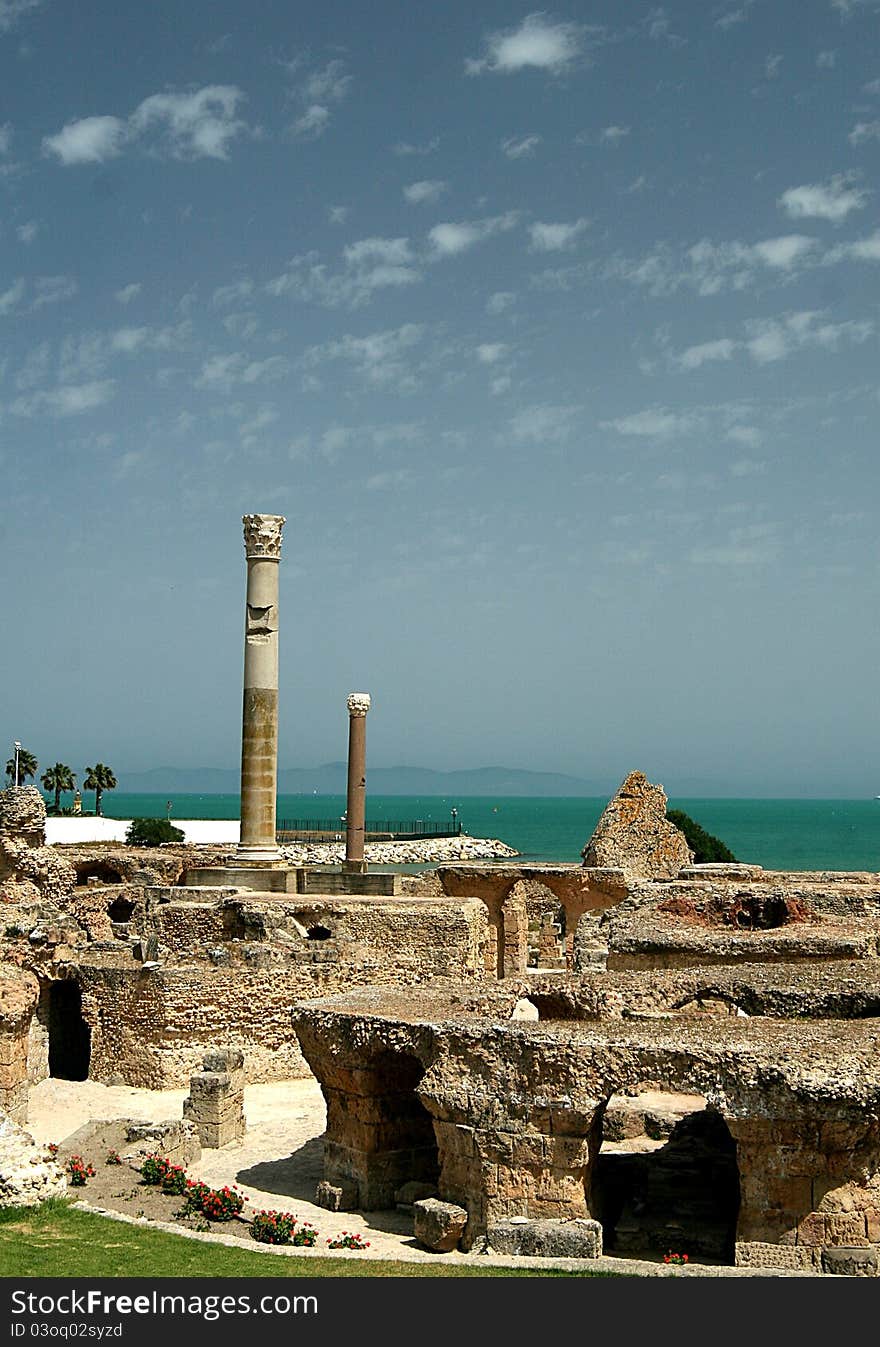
18, 999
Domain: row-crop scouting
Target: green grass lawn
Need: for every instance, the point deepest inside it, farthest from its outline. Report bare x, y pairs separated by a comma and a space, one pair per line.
55, 1240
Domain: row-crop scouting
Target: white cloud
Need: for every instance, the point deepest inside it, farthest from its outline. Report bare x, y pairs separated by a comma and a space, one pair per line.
313, 122
500, 301
91, 140
860, 250
405, 149
329, 85
334, 440
613, 135
771, 66
521, 147
337, 215
449, 239
13, 10
424, 192
733, 16
223, 372
783, 253
317, 92
384, 481
826, 60
863, 131
66, 400
547, 238
489, 353
747, 467
35, 367
748, 436
28, 232
695, 356
233, 293
543, 423
655, 422
824, 201
368, 265
379, 358
196, 125
537, 44
775, 339
53, 289
128, 292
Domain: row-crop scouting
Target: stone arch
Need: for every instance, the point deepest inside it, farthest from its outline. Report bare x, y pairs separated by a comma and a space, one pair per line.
103, 871
665, 1177
379, 1133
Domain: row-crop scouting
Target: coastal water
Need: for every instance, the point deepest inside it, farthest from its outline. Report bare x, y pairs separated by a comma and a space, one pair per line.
778, 834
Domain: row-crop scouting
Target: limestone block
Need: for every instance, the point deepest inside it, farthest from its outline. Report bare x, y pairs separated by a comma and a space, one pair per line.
336, 1197
757, 1253
580, 1238
438, 1225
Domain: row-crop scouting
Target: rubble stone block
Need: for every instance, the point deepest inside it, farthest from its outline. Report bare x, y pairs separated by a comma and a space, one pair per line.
438, 1225
336, 1197
844, 1261
552, 1238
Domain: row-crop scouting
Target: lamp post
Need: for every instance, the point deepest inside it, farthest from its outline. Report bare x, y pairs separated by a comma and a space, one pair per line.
17, 752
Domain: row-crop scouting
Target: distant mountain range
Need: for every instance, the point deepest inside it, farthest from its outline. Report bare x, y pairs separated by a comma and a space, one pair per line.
331, 779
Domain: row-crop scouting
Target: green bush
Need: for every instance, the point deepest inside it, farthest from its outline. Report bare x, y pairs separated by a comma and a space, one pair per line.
705, 847
152, 832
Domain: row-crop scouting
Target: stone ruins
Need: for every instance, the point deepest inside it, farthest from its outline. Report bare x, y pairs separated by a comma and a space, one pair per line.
632, 1054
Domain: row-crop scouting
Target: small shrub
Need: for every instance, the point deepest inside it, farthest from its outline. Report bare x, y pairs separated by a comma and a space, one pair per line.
305, 1236
348, 1240
196, 1192
152, 832
273, 1227
79, 1171
154, 1169
52, 1148
174, 1180
678, 1258
113, 1158
222, 1204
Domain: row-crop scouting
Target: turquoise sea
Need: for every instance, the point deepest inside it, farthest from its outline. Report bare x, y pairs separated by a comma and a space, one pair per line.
778, 834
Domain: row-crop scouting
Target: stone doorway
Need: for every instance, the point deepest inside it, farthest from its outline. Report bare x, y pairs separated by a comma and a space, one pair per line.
666, 1178
70, 1038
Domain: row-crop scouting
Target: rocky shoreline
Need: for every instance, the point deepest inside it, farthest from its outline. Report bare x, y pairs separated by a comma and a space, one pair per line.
427, 851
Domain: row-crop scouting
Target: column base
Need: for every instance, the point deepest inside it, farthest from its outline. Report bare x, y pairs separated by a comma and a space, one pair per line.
258, 855
354, 867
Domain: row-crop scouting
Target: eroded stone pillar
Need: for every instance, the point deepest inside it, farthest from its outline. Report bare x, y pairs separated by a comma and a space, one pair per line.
355, 809
259, 726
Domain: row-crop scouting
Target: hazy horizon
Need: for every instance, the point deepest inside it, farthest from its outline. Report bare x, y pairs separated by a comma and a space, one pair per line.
553, 334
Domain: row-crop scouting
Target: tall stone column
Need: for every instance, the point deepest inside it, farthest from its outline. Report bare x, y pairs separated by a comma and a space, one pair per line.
259, 722
355, 812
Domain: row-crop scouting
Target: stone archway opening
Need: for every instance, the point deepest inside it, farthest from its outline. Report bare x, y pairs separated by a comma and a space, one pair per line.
380, 1135
666, 1178
70, 1038
120, 911
99, 872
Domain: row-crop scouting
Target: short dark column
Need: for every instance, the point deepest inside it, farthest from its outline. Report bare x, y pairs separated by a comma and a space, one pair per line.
355, 813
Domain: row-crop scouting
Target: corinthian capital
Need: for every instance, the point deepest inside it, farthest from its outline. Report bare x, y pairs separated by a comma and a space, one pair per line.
262, 535
358, 703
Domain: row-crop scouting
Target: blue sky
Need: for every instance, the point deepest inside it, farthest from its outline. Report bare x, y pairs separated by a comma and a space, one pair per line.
553, 334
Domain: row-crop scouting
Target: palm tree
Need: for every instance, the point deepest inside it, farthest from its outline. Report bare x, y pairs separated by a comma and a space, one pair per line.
27, 766
99, 778
58, 778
